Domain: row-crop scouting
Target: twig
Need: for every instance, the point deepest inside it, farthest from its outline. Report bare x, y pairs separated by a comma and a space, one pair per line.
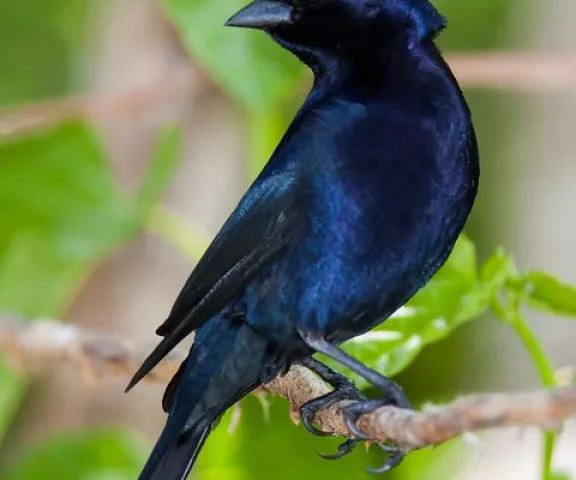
515, 71
45, 341
145, 103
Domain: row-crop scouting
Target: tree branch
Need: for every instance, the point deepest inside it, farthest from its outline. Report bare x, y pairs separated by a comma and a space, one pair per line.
147, 103
516, 71
47, 341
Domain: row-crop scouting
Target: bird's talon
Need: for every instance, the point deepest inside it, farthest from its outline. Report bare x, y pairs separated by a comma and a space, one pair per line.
377, 471
307, 414
343, 449
388, 448
352, 428
353, 413
391, 462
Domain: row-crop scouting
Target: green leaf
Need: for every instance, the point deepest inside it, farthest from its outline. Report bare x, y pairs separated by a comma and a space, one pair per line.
161, 169
454, 296
61, 213
547, 293
96, 455
498, 270
499, 278
247, 64
36, 277
12, 389
266, 130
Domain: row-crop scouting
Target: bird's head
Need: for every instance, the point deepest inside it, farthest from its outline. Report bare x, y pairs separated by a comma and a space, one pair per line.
340, 25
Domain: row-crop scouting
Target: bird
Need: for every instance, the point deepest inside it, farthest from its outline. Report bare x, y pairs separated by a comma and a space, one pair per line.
357, 208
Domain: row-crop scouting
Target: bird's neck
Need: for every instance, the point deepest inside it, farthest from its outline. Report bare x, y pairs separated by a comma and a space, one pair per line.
369, 67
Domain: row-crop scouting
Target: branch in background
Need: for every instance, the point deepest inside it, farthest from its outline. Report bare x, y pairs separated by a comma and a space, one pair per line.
147, 103
46, 341
516, 71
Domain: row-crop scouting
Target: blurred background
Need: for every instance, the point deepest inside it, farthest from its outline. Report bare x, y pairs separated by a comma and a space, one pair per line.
73, 247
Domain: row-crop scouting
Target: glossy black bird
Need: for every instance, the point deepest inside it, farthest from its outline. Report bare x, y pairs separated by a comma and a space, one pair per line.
360, 204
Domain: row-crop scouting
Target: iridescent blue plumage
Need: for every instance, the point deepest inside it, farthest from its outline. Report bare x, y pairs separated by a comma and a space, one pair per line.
358, 207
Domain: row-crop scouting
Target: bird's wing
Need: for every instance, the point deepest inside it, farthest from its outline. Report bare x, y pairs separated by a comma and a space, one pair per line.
253, 236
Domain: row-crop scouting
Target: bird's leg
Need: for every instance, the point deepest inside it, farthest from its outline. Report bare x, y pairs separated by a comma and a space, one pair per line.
344, 389
393, 394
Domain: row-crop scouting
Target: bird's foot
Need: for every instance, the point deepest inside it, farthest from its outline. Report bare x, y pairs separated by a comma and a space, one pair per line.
343, 450
353, 413
393, 393
308, 411
394, 459
344, 389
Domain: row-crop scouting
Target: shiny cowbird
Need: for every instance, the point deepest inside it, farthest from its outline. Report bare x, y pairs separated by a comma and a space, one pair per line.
360, 204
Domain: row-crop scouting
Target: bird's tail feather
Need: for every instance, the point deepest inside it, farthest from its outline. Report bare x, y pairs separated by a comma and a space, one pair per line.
176, 460
225, 364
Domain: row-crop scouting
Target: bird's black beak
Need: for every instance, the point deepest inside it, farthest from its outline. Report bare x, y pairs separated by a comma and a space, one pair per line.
262, 14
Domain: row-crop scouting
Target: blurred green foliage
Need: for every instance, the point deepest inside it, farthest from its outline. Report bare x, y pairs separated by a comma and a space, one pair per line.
38, 42
63, 213
90, 455
547, 293
234, 58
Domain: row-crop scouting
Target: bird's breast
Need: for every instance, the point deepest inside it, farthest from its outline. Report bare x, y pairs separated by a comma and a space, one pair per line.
378, 230
384, 189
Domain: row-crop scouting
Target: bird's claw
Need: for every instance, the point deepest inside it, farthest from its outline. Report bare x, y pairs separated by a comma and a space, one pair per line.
343, 450
393, 395
309, 410
343, 391
391, 462
307, 414
354, 411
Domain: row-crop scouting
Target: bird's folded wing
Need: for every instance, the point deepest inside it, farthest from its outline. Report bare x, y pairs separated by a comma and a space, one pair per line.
252, 237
